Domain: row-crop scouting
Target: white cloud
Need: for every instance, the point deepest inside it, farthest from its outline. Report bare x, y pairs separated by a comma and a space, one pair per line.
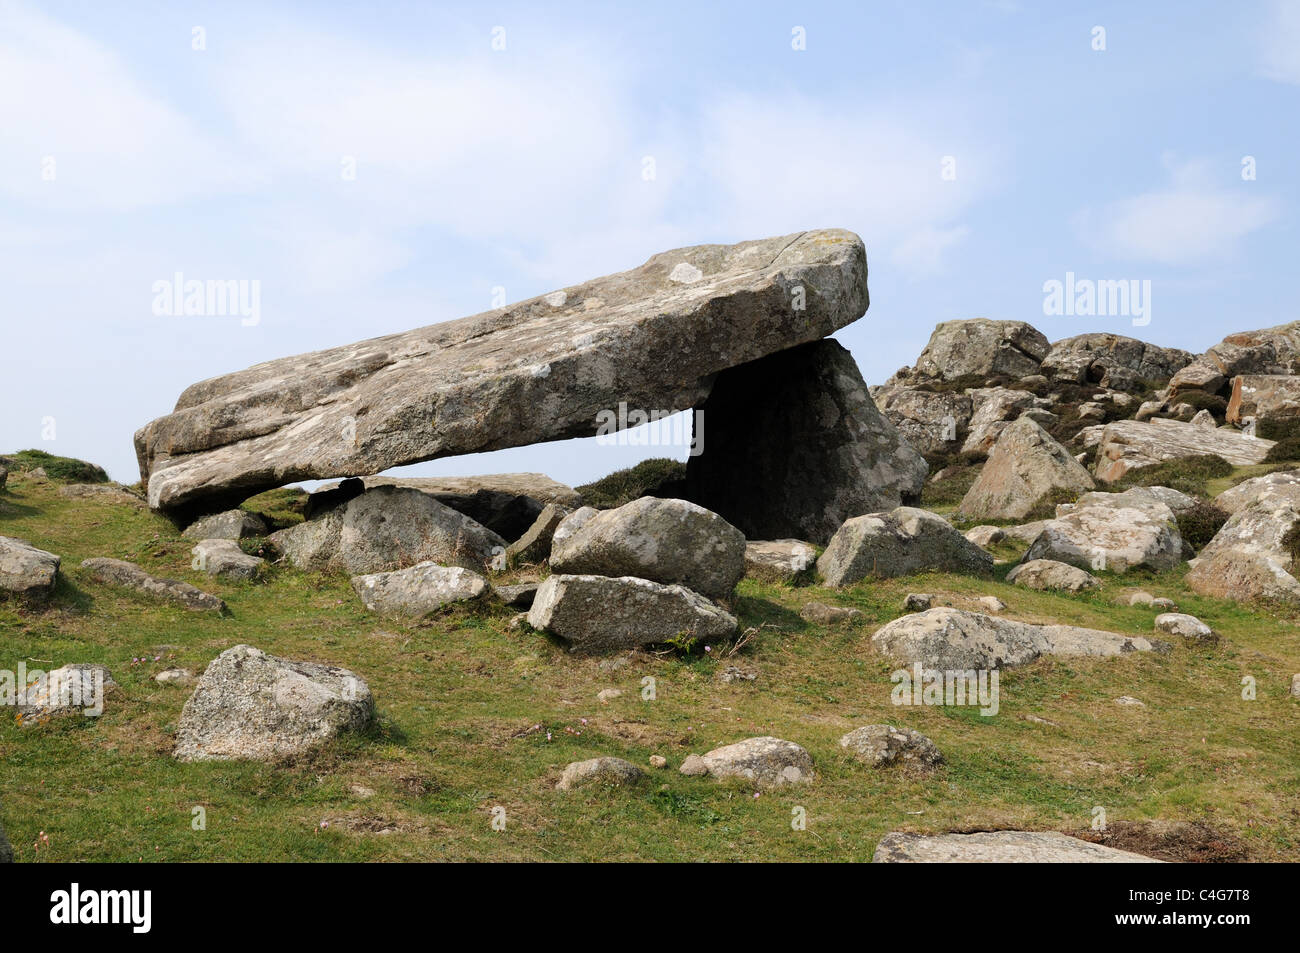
114, 144
1280, 43
1194, 219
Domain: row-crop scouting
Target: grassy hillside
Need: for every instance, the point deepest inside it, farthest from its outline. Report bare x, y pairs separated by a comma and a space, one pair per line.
474, 714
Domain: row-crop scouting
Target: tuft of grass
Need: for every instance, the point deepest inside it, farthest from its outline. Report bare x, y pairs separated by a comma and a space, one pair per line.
659, 476
280, 508
1199, 523
1190, 475
58, 469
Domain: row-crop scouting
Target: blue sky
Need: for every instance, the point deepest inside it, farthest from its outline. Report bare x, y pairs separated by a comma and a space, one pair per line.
522, 169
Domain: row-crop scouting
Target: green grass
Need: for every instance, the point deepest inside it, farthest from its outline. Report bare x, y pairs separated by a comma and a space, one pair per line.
458, 699
647, 478
59, 469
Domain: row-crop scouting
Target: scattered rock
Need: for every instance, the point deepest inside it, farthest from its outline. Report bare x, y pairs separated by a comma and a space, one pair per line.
1129, 701
766, 761
998, 847
694, 766
1024, 465
418, 590
534, 546
658, 761
779, 560
1185, 626
1112, 360
602, 613
955, 640
930, 421
612, 771
223, 557
984, 348
1204, 419
796, 446
821, 614
733, 673
992, 604
994, 408
663, 540
254, 706
1268, 351
1264, 397
518, 596
1049, 574
918, 601
897, 543
1115, 536
116, 572
880, 745
1295, 686
26, 572
607, 695
986, 536
175, 676
106, 492
1250, 558
78, 687
232, 524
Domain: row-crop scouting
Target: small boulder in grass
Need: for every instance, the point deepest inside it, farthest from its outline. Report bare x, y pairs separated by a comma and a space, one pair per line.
1295, 685
1186, 626
223, 557
918, 602
1128, 701
765, 761
992, 604
821, 614
881, 745
986, 536
612, 771
1051, 574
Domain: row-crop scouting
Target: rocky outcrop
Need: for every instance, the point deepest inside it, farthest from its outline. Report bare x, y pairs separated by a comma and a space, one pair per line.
117, 572
418, 590
994, 409
1250, 557
1024, 465
765, 762
603, 613
955, 640
982, 347
26, 573
542, 369
1113, 361
1130, 444
663, 540
930, 421
1273, 350
998, 847
779, 560
232, 524
1111, 532
1271, 489
252, 706
1049, 575
902, 541
506, 503
881, 745
1263, 397
387, 528
795, 446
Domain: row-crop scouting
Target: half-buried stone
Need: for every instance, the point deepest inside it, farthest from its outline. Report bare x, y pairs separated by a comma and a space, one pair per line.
232, 524
117, 572
223, 557
662, 540
388, 528
26, 572
418, 590
998, 847
766, 762
1049, 574
604, 613
955, 640
779, 560
252, 706
902, 541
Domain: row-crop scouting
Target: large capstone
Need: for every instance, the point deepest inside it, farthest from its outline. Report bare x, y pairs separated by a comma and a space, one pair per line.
551, 367
793, 445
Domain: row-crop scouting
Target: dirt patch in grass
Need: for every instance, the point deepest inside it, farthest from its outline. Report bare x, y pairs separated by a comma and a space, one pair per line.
1189, 842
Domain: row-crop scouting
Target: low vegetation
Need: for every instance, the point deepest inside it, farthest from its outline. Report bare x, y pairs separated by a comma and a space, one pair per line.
659, 476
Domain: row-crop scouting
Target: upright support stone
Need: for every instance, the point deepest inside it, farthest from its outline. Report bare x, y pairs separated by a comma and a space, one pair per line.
793, 446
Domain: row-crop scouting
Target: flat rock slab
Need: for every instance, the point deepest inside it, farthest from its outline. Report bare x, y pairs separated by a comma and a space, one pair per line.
418, 590
252, 706
998, 847
542, 369
1130, 444
117, 572
955, 640
601, 613
26, 572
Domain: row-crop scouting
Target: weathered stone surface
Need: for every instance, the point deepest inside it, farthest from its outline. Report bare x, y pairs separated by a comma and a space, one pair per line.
232, 524
779, 560
930, 421
1024, 465
26, 572
1184, 626
982, 347
1025, 532
1273, 350
1205, 420
1116, 535
765, 761
918, 601
994, 408
116, 572
998, 847
1130, 444
519, 595
896, 543
223, 557
506, 503
252, 706
952, 639
1150, 498
542, 369
663, 540
603, 613
1050, 575
822, 614
1113, 360
175, 676
79, 687
992, 604
1248, 557
613, 771
795, 446
534, 546
418, 590
1264, 397
106, 492
387, 528
881, 745
985, 536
